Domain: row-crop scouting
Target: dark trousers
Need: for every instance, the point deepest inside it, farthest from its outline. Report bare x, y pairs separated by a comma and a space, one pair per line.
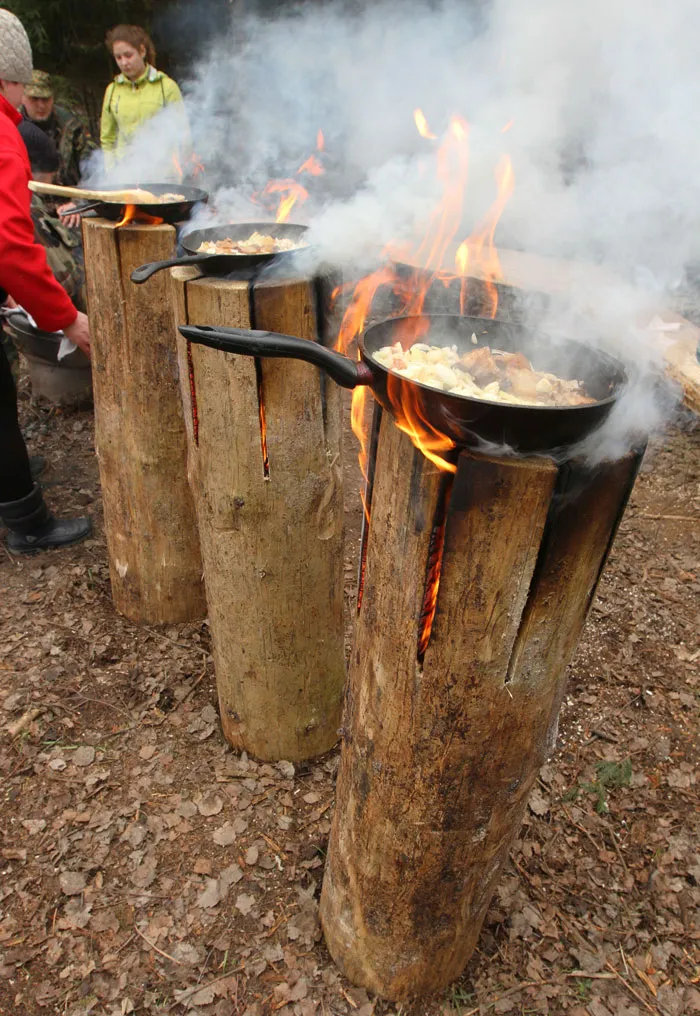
15, 479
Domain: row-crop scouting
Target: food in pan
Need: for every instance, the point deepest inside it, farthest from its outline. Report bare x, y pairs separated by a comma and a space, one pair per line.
163, 199
482, 373
257, 243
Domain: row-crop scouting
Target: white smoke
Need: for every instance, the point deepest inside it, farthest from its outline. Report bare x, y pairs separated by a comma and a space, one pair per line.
603, 98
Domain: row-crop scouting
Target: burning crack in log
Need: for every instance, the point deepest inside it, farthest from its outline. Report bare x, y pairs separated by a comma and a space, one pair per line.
261, 415
433, 570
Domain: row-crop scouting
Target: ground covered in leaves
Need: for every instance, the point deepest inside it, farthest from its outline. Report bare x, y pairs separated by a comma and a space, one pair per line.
147, 868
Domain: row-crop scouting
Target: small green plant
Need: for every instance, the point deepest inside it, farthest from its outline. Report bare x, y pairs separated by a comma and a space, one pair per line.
460, 997
583, 988
609, 776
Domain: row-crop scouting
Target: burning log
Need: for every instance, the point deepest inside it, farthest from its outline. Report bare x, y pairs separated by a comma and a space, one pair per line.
264, 461
150, 525
476, 587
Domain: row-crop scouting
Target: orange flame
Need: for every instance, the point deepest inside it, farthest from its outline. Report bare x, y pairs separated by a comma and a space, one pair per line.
422, 124
475, 256
291, 190
197, 166
507, 127
132, 213
193, 167
480, 247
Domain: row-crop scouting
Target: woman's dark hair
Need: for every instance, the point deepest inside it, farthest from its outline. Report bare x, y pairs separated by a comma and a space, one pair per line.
42, 152
135, 37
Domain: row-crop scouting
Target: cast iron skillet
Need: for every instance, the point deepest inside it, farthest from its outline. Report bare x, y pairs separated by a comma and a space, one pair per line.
468, 421
172, 211
223, 264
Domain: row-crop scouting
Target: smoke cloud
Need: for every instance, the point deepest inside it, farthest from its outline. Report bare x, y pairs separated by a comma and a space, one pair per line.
602, 97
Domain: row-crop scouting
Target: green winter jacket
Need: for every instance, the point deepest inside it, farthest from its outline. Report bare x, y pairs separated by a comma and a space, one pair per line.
128, 104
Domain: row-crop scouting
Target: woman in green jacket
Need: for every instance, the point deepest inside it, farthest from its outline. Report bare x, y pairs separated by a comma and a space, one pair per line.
137, 93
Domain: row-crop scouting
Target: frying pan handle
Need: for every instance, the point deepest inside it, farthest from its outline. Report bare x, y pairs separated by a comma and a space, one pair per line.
345, 372
144, 272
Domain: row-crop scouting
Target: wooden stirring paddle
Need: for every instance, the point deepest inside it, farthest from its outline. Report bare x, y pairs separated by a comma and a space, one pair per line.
135, 196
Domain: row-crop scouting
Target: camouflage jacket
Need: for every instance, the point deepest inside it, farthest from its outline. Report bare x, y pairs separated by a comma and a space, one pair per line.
72, 140
63, 247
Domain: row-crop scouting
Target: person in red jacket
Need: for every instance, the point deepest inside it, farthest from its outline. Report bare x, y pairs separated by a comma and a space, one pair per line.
25, 277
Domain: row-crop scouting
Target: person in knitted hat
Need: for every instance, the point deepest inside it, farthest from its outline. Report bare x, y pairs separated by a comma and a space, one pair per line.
26, 277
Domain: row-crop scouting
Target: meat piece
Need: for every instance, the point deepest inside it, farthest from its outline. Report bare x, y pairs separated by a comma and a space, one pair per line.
517, 360
481, 365
522, 383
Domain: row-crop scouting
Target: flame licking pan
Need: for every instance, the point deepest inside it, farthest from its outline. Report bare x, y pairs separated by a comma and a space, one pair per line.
468, 421
224, 264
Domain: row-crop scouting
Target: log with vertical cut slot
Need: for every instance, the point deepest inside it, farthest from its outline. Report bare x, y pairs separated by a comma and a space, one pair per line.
150, 524
440, 755
265, 464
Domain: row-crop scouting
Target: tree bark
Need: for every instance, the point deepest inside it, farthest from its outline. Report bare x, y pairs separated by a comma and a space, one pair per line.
150, 525
439, 757
271, 520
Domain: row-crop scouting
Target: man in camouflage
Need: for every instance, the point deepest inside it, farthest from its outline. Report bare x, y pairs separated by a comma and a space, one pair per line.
67, 132
64, 251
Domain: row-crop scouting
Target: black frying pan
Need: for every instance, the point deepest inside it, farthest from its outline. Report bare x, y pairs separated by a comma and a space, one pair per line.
468, 421
223, 264
171, 211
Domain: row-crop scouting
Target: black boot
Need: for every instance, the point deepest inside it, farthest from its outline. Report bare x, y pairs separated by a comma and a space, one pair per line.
32, 527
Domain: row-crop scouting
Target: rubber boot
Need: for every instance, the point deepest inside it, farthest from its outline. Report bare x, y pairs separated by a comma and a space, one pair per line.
32, 527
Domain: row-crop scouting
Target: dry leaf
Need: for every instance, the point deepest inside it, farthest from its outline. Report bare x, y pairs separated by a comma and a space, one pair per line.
84, 755
34, 825
211, 895
210, 804
72, 882
244, 903
225, 835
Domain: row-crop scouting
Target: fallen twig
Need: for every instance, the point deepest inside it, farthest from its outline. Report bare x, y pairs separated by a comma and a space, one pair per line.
13, 729
629, 987
200, 987
506, 994
200, 678
670, 518
159, 951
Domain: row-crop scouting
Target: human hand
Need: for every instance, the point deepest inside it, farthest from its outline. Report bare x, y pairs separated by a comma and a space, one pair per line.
79, 333
9, 302
68, 216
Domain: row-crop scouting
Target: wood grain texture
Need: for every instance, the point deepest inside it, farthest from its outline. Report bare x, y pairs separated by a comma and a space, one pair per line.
150, 523
272, 547
438, 761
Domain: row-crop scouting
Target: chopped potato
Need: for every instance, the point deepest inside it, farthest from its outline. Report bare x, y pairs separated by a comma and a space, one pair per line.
482, 373
257, 243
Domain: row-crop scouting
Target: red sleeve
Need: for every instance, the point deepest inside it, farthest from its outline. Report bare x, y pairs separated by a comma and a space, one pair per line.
24, 271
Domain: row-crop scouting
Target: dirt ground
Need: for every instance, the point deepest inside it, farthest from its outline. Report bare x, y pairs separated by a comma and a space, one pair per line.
146, 868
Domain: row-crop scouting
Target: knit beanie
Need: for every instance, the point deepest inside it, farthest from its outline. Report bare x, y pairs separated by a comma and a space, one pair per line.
15, 49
